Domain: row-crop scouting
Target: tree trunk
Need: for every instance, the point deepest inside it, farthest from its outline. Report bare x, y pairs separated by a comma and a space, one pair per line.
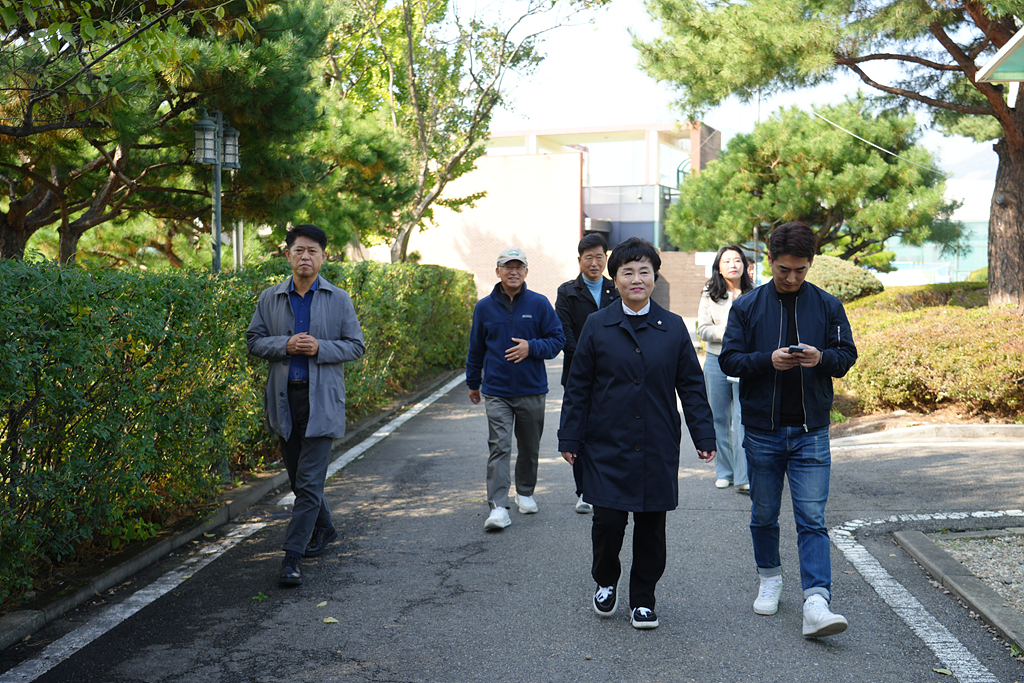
68, 246
400, 247
12, 240
1006, 229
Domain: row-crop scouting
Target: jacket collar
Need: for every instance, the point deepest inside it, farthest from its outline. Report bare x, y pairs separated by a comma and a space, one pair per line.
800, 292
607, 288
321, 284
655, 318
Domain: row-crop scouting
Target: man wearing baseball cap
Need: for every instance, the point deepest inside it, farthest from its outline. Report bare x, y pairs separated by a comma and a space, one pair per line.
514, 331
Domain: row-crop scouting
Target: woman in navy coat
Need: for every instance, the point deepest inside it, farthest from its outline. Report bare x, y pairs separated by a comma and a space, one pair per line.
619, 417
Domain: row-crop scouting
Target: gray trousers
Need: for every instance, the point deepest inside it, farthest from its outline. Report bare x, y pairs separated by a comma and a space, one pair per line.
306, 460
524, 416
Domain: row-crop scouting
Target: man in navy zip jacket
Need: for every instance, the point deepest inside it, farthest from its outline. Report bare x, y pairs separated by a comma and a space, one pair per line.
514, 331
786, 340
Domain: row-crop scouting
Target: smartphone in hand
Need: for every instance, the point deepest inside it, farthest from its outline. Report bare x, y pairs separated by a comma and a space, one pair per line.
795, 349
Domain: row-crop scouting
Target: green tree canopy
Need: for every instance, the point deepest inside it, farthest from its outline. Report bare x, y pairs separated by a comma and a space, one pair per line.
99, 100
437, 77
797, 166
924, 53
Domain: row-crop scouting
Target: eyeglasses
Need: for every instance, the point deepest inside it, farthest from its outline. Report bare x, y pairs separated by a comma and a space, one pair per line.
514, 269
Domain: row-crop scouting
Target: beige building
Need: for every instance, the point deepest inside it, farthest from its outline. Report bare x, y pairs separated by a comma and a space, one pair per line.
546, 188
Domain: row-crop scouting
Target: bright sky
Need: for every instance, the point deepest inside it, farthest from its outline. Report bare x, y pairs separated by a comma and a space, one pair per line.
590, 77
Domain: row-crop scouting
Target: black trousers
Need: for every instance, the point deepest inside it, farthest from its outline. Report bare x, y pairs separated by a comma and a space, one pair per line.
607, 532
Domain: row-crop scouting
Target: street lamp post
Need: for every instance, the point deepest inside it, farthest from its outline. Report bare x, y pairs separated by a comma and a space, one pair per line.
216, 143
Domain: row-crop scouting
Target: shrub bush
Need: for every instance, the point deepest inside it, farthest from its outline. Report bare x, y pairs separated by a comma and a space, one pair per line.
123, 393
842, 279
921, 347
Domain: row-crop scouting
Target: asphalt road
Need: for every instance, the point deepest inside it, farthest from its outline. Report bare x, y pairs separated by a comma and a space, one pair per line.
420, 592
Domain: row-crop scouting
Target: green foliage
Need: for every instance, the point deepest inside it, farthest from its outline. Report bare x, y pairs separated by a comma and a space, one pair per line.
436, 76
842, 279
116, 138
979, 275
796, 166
123, 393
914, 55
912, 342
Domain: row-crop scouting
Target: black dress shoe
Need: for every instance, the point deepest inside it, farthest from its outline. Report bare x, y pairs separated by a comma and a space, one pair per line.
319, 540
290, 573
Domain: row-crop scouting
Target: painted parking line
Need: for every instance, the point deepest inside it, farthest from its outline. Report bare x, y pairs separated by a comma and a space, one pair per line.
59, 650
366, 444
950, 651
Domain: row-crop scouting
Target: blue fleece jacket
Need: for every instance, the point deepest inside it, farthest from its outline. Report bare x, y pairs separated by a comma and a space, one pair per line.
496, 321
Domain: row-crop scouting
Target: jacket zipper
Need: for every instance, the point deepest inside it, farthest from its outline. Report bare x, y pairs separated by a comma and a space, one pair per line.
775, 383
796, 321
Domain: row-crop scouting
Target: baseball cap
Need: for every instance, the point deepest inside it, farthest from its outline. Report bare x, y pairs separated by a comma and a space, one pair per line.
512, 254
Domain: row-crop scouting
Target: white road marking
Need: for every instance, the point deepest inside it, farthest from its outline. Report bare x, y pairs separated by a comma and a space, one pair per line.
59, 650
950, 651
378, 436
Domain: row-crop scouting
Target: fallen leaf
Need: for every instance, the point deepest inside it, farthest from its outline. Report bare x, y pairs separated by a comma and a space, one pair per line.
330, 620
850, 572
323, 604
260, 597
208, 535
944, 672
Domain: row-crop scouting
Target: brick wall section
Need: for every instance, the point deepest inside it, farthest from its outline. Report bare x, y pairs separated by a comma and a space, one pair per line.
683, 279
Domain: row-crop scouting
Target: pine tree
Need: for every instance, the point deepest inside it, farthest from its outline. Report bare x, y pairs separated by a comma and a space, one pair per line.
924, 54
798, 166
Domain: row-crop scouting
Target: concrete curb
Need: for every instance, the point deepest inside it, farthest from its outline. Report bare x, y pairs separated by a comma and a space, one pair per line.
16, 626
938, 433
959, 580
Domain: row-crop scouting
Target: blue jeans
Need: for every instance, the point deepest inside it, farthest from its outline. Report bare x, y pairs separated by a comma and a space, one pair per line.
805, 458
724, 397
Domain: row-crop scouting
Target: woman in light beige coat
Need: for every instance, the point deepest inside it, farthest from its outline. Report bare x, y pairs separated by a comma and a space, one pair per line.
729, 279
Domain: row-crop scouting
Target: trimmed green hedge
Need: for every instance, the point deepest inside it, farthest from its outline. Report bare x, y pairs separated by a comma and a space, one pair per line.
921, 347
123, 393
843, 279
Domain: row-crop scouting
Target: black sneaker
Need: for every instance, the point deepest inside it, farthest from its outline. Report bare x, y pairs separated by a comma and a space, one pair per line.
290, 574
605, 601
644, 618
319, 540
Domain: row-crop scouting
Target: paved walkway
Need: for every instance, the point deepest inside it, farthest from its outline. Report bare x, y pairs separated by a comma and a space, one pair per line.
414, 590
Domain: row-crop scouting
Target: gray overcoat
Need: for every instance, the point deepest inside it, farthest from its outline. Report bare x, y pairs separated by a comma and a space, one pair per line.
334, 325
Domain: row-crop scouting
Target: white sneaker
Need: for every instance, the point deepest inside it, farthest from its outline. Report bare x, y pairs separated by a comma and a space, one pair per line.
527, 505
497, 520
722, 483
767, 601
583, 507
819, 620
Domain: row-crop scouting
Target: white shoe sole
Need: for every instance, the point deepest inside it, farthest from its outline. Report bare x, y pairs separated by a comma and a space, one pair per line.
527, 510
766, 611
644, 624
496, 524
829, 628
605, 615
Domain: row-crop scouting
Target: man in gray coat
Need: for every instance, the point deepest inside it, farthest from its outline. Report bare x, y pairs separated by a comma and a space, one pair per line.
306, 329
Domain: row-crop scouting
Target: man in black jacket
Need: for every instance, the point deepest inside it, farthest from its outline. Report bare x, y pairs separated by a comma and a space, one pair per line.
576, 300
786, 340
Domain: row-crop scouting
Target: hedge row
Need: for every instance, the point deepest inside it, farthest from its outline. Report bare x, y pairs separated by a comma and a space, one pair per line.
921, 347
123, 394
842, 279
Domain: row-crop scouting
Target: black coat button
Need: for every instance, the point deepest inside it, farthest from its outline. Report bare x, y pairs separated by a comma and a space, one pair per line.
636, 447
637, 416
638, 349
636, 381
